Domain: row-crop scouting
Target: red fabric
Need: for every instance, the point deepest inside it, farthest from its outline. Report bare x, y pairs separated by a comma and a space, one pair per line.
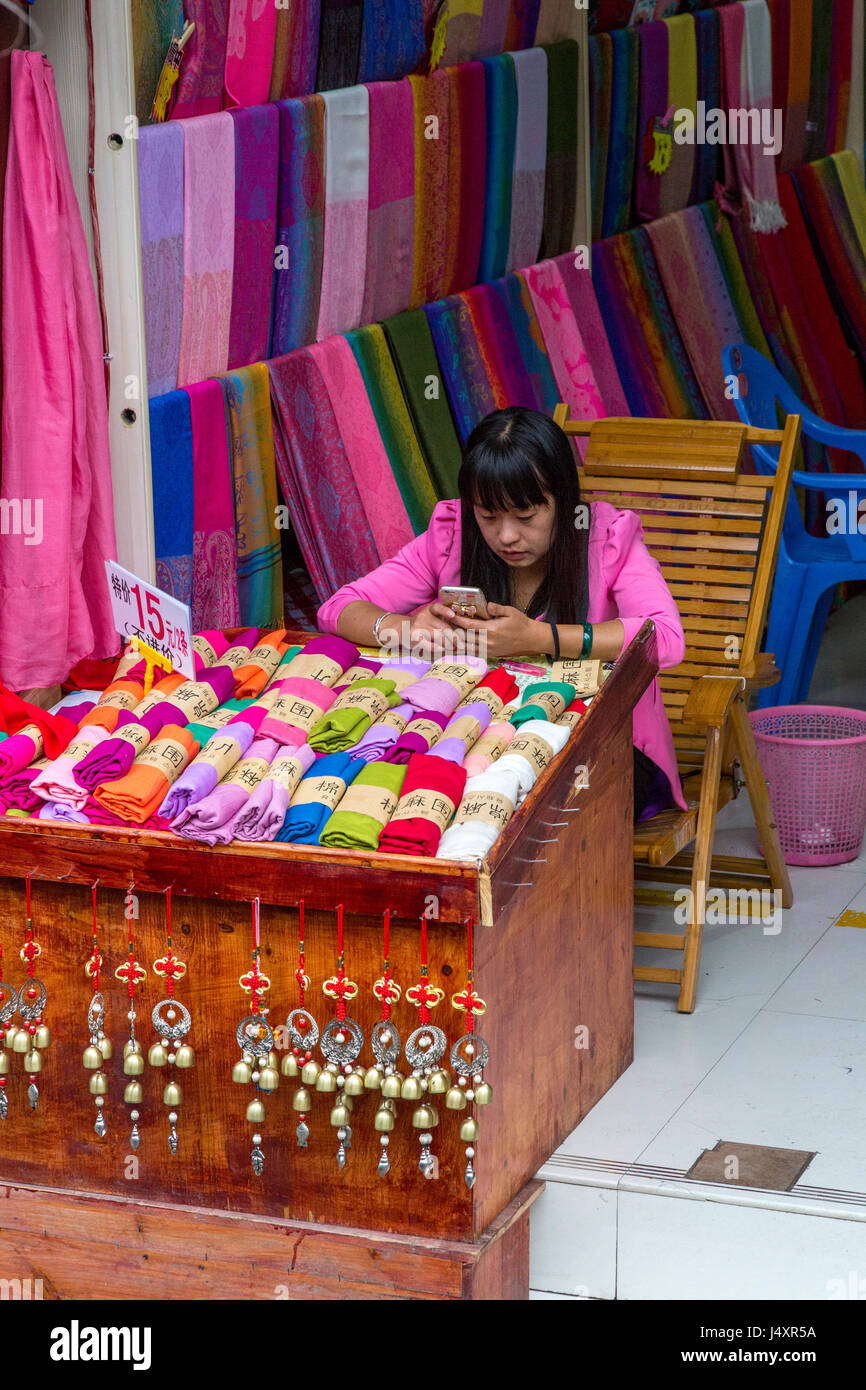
91, 675
15, 714
502, 683
578, 705
417, 835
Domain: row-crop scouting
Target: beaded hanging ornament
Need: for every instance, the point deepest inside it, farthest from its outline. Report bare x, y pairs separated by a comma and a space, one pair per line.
132, 974
33, 1036
8, 1009
303, 1031
99, 1049
172, 1021
387, 1045
258, 1062
424, 1050
341, 1043
469, 1056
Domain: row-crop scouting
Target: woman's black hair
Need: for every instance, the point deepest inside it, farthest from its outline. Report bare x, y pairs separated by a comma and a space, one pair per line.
518, 458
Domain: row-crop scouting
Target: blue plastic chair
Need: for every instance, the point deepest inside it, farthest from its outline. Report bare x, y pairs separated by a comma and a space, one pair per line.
809, 567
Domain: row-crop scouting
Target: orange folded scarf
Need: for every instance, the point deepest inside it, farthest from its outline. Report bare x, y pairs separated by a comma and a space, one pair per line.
137, 796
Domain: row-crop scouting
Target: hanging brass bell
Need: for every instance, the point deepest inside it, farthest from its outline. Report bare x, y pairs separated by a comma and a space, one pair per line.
92, 1058
21, 1041
411, 1088
326, 1081
339, 1116
483, 1094
455, 1099
269, 1079
422, 1117
42, 1037
389, 1104
434, 1116
157, 1056
184, 1057
105, 1046
302, 1100
131, 1045
98, 1084
310, 1072
255, 1112
10, 1037
392, 1086
32, 1062
373, 1079
289, 1065
172, 1095
133, 1093
384, 1121
469, 1131
241, 1072
133, 1065
354, 1085
438, 1082
273, 1060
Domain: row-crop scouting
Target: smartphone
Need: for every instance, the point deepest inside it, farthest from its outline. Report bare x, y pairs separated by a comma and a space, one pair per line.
466, 602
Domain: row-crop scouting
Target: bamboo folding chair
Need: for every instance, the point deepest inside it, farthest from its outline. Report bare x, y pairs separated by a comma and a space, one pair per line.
715, 532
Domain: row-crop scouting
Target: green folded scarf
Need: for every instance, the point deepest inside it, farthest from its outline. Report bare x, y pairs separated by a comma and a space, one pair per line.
544, 700
341, 728
366, 808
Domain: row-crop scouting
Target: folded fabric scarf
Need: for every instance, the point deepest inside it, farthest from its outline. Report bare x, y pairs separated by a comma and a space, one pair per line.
250, 37
211, 820
72, 707
682, 95
414, 357
223, 749
522, 23
316, 797
709, 62
362, 668
467, 162
300, 224
498, 688
421, 732
467, 725
55, 810
463, 31
315, 476
265, 812
582, 298
171, 463
488, 803
568, 356
746, 62
430, 100
560, 190
501, 138
381, 737
532, 748
208, 246
202, 74
28, 741
57, 782
257, 166
233, 711
366, 807
497, 342
339, 43
351, 715
600, 90
452, 750
300, 706
347, 182
325, 659
391, 207
15, 790
238, 653
387, 519
652, 108
461, 364
573, 715
209, 646
530, 159
260, 585
296, 50
214, 558
403, 671
97, 814
623, 141
392, 39
429, 797
137, 796
544, 700
192, 699
120, 695
445, 685
489, 748
160, 192
394, 422
263, 661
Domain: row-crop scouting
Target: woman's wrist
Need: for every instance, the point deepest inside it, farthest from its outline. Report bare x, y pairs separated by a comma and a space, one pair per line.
381, 625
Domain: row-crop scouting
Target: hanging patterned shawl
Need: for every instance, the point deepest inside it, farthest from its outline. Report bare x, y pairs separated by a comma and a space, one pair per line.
339, 44
300, 224
208, 245
296, 50
391, 208
347, 184
627, 330
709, 60
260, 589
513, 293
202, 73
460, 363
530, 158
392, 39
467, 160
414, 357
565, 347
560, 190
522, 23
747, 55
152, 30
652, 107
160, 191
500, 351
501, 106
600, 88
494, 25
257, 139
172, 483
622, 143
557, 20
430, 100
682, 95
214, 553
463, 31
581, 296
250, 37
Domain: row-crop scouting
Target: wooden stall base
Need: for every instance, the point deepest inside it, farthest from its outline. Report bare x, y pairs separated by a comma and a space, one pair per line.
86, 1246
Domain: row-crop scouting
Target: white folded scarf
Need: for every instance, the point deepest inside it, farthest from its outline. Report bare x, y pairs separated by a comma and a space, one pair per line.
486, 807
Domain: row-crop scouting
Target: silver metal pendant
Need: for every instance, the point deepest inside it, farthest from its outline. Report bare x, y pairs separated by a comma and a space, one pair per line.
341, 1151
425, 1046
32, 1008
99, 1126
348, 1051
4, 1104
469, 1175
299, 1038
467, 1063
254, 1035
386, 1043
426, 1162
302, 1134
135, 1137
257, 1159
33, 1095
9, 1006
384, 1165
96, 1016
172, 1135
166, 1027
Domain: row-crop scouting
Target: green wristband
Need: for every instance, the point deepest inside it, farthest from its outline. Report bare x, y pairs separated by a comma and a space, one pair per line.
586, 646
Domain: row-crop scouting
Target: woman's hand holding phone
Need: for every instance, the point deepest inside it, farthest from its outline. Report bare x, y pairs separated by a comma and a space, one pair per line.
508, 631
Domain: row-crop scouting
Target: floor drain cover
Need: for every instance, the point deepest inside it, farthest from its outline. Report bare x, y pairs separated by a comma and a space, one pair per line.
751, 1165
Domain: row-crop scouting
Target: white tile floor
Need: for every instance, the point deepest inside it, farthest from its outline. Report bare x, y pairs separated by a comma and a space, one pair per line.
775, 1053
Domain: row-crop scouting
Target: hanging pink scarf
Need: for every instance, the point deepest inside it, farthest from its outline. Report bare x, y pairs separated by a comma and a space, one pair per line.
347, 187
54, 606
208, 245
252, 29
200, 86
214, 555
748, 86
391, 211
565, 348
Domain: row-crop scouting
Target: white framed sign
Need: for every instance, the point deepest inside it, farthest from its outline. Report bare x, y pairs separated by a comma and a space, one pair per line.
163, 622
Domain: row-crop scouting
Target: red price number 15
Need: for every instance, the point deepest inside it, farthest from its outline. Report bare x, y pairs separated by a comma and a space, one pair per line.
154, 618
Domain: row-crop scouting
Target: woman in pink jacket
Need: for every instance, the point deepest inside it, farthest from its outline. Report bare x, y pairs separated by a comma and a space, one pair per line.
519, 533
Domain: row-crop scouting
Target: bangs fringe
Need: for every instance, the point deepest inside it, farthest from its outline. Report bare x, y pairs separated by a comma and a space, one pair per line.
504, 481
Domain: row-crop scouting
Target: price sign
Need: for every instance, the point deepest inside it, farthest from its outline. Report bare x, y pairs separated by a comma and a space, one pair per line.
161, 621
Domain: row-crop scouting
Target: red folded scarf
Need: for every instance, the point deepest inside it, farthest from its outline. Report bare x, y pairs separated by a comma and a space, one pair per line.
431, 793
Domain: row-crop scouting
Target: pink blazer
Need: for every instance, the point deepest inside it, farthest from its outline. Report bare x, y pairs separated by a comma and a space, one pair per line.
625, 582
